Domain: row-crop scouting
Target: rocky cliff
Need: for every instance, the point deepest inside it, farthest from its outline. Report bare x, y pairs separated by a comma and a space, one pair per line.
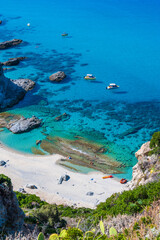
147, 169
12, 91
11, 216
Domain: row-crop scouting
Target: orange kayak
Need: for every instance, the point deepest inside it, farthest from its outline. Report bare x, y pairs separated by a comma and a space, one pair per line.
110, 176
123, 180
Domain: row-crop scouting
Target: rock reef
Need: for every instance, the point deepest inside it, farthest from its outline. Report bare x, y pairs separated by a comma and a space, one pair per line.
57, 77
13, 61
24, 124
12, 91
8, 44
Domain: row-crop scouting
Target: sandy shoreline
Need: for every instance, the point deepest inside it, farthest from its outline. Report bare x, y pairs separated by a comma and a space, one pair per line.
43, 172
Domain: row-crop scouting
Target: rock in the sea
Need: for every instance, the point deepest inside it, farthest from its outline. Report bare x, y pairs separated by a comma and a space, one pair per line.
9, 69
90, 193
24, 124
8, 44
13, 61
0, 21
57, 77
31, 186
11, 216
63, 117
38, 142
12, 91
24, 83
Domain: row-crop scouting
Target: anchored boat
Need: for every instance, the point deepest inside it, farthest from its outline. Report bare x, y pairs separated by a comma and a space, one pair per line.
112, 86
64, 34
89, 77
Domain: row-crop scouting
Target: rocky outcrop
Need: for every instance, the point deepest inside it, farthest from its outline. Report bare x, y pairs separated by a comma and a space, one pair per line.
11, 216
24, 83
9, 69
38, 142
63, 117
8, 44
147, 169
13, 61
57, 77
143, 151
12, 91
24, 124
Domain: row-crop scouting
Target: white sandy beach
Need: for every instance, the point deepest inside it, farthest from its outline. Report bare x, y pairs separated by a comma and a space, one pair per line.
43, 172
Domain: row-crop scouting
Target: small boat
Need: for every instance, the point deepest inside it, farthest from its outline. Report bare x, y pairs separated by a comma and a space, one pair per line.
110, 176
123, 180
89, 77
112, 86
64, 34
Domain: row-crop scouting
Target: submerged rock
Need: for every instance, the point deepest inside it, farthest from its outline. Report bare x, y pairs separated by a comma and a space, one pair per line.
63, 117
0, 21
13, 61
9, 69
8, 44
57, 77
38, 142
12, 91
24, 124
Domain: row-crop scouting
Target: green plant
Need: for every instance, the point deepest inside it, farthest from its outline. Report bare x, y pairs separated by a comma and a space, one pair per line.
48, 216
6, 180
41, 236
112, 232
155, 144
29, 200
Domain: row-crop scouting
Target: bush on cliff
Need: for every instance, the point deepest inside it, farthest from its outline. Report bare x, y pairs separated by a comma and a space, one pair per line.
6, 180
129, 202
155, 143
48, 218
29, 201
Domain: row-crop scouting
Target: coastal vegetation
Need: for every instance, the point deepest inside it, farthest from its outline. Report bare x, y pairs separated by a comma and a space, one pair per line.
137, 202
155, 144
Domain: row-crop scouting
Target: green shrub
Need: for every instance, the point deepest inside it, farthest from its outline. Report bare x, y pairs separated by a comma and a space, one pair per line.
128, 202
29, 200
74, 233
48, 216
6, 180
155, 144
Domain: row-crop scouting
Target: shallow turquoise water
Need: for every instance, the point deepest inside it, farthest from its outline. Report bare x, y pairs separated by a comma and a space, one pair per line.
118, 41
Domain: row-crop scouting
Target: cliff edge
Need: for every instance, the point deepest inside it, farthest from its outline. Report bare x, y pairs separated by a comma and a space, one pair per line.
12, 91
147, 169
11, 216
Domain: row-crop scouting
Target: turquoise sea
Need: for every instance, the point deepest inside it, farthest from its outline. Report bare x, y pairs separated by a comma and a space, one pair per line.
117, 41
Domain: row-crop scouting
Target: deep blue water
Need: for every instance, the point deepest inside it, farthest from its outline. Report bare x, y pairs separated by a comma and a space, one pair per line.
117, 41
